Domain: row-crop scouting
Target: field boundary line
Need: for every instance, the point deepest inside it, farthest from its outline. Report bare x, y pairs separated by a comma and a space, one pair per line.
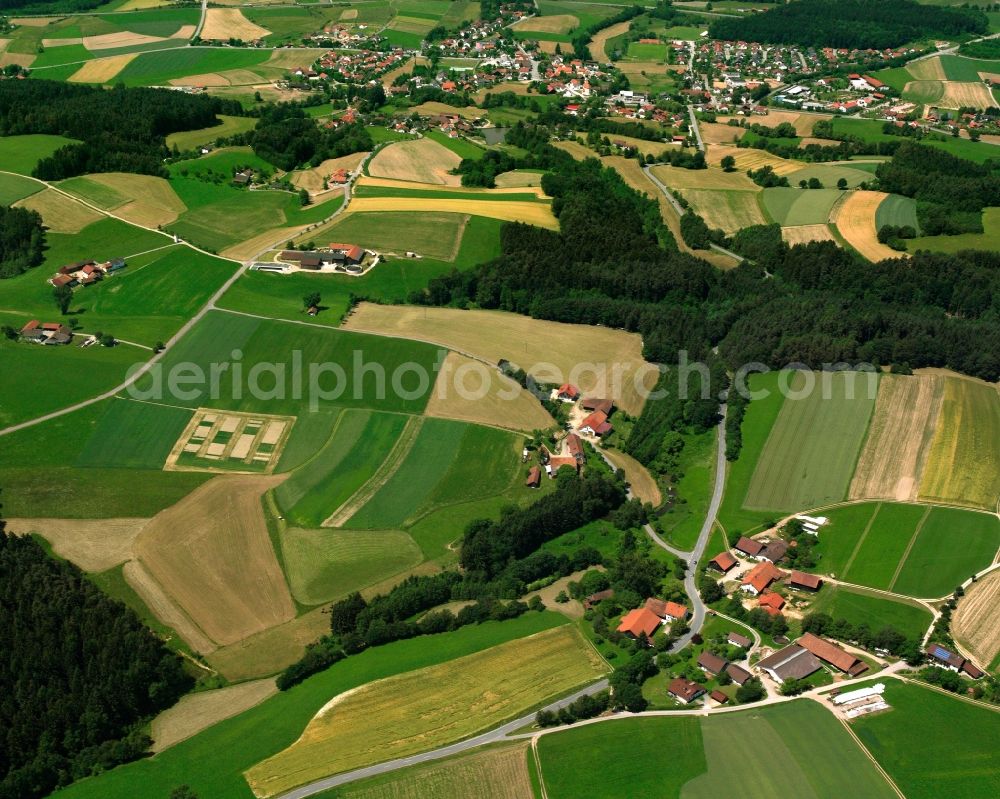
871, 757
943, 692
909, 546
861, 540
538, 768
393, 460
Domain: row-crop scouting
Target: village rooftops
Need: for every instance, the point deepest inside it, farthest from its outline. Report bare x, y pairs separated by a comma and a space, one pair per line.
568, 391
724, 561
597, 423
665, 609
534, 477
685, 690
791, 663
832, 654
749, 546
639, 622
596, 599
771, 602
773, 551
950, 660
575, 446
718, 696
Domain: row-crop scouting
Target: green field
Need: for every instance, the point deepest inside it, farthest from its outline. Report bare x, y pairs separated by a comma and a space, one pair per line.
340, 467
898, 211
212, 763
159, 68
463, 148
960, 68
925, 92
21, 153
810, 456
857, 608
433, 235
829, 174
989, 239
817, 757
794, 206
647, 52
933, 744
230, 126
682, 522
14, 188
133, 435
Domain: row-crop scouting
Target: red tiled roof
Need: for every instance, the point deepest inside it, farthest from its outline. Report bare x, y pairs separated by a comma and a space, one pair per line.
595, 420
718, 696
771, 600
665, 608
749, 546
828, 651
596, 404
685, 689
805, 580
32, 325
569, 390
639, 622
724, 560
534, 476
762, 575
574, 445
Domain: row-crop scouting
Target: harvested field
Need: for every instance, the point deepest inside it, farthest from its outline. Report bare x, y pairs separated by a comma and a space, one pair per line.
807, 140
293, 57
748, 158
927, 69
209, 79
94, 545
518, 179
729, 211
426, 109
531, 213
165, 609
145, 200
269, 239
553, 352
312, 179
212, 554
976, 621
350, 13
712, 178
420, 160
803, 234
21, 59
422, 709
892, 461
855, 219
575, 149
184, 32
557, 23
966, 94
49, 43
229, 23
110, 41
490, 398
199, 711
717, 133
642, 482
60, 213
596, 45
389, 183
101, 70
963, 466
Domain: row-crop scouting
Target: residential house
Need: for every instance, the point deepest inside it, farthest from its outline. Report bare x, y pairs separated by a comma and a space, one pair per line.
773, 551
605, 406
718, 696
833, 654
735, 639
668, 611
567, 392
639, 622
723, 562
739, 674
946, 659
534, 477
749, 547
46, 333
803, 581
710, 663
757, 580
771, 603
791, 663
33, 332
574, 446
596, 424
684, 691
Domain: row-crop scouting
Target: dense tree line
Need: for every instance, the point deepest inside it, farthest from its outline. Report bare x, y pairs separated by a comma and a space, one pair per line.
288, 138
78, 677
121, 129
861, 24
50, 6
887, 637
22, 240
582, 36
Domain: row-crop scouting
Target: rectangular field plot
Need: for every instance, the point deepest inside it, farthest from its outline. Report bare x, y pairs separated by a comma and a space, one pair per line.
223, 441
877, 559
857, 607
134, 435
810, 454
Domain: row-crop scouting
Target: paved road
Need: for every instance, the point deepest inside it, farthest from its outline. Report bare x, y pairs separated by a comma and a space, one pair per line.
695, 128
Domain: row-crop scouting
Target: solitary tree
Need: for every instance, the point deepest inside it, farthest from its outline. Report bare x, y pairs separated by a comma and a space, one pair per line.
728, 164
312, 300
63, 295
842, 184
304, 197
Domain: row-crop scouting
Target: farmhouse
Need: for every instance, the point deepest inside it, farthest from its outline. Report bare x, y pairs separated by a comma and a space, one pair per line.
567, 392
773, 551
710, 663
684, 691
739, 674
596, 424
791, 663
771, 603
595, 599
668, 611
946, 659
749, 547
47, 333
735, 639
833, 654
805, 582
605, 406
534, 477
575, 448
639, 622
760, 577
723, 562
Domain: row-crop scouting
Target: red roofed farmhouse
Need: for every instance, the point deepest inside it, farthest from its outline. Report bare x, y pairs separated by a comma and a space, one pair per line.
639, 622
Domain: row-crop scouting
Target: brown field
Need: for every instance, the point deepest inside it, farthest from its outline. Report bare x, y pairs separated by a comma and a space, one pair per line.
976, 623
244, 77
500, 773
49, 43
711, 178
94, 545
312, 179
269, 239
34, 22
519, 180
807, 140
966, 94
748, 158
420, 160
927, 69
557, 23
61, 214
430, 108
730, 211
199, 711
899, 437
423, 709
184, 32
717, 133
643, 485
212, 554
21, 59
139, 5
155, 202
473, 192
350, 13
531, 213
575, 149
548, 47
293, 57
552, 352
209, 79
229, 23
803, 234
596, 45
165, 609
855, 219
101, 70
109, 41
505, 404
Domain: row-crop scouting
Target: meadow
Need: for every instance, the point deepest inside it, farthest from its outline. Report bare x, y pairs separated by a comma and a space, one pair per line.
857, 607
212, 763
793, 206
159, 68
133, 435
989, 239
228, 126
423, 709
14, 188
436, 236
141, 199
811, 453
897, 210
963, 466
22, 153
960, 754
730, 211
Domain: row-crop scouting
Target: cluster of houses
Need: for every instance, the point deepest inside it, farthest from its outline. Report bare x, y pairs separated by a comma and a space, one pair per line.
476, 39
946, 659
595, 423
46, 333
355, 66
356, 37
83, 273
335, 257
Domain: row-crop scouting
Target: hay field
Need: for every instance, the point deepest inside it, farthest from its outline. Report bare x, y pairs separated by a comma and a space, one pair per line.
717, 133
518, 179
111, 41
597, 44
101, 70
60, 213
552, 352
94, 545
497, 773
420, 160
199, 711
229, 23
927, 69
145, 200
711, 178
505, 403
212, 554
748, 158
531, 213
966, 94
423, 709
855, 219
641, 481
472, 192
803, 234
165, 609
312, 179
431, 107
963, 466
557, 23
731, 211
575, 149
976, 622
892, 461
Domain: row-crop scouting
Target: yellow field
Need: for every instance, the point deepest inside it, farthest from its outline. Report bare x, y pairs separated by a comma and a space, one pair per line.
268, 240
491, 774
802, 122
152, 200
803, 234
530, 213
749, 158
21, 59
212, 555
976, 623
109, 41
389, 183
424, 709
431, 108
966, 94
899, 436
575, 149
712, 178
209, 79
139, 5
552, 352
855, 219
557, 23
730, 211
518, 179
505, 403
717, 133
420, 160
596, 45
927, 69
312, 179
94, 545
60, 213
229, 23
199, 711
963, 466
101, 70
643, 485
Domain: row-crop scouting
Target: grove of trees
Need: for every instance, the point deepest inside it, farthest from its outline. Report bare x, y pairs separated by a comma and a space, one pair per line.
22, 240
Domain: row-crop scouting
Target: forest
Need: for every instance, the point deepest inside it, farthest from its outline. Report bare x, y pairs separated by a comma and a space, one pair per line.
22, 240
857, 24
120, 130
50, 6
79, 676
288, 138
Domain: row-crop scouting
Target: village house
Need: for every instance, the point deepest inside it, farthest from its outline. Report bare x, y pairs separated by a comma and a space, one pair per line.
717, 696
605, 406
723, 562
574, 446
684, 691
596, 424
773, 551
567, 392
47, 333
791, 663
771, 603
735, 639
760, 577
739, 674
803, 581
749, 547
711, 664
946, 659
534, 477
831, 653
668, 611
639, 622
